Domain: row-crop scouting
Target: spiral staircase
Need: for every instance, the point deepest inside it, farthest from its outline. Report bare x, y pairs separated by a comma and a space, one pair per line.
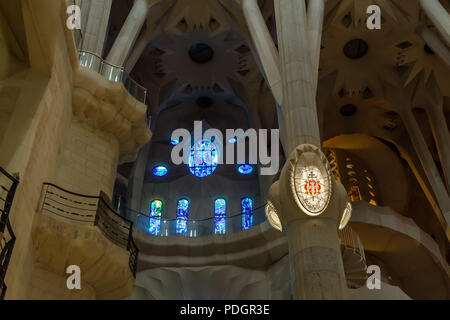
353, 258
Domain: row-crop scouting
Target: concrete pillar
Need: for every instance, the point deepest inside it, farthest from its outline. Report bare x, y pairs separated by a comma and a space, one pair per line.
299, 118
265, 47
139, 48
439, 16
315, 26
427, 161
136, 180
436, 116
433, 41
129, 33
316, 260
95, 17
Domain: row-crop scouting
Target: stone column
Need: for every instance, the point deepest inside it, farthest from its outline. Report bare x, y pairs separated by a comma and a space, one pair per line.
316, 264
315, 26
136, 180
129, 33
433, 41
95, 17
317, 270
427, 161
265, 46
439, 16
436, 117
299, 119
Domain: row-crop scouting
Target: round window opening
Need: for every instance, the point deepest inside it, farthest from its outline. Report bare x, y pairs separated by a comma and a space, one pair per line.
203, 159
348, 110
356, 49
201, 53
204, 102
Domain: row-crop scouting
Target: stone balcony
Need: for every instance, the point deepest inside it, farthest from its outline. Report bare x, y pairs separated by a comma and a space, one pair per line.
73, 229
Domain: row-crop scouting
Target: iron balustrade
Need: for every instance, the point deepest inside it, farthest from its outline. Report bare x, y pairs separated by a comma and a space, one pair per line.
7, 241
113, 73
93, 211
194, 228
8, 187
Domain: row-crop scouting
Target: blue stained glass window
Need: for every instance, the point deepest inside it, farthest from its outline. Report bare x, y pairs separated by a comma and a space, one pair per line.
182, 216
245, 169
203, 158
247, 213
160, 171
220, 212
155, 217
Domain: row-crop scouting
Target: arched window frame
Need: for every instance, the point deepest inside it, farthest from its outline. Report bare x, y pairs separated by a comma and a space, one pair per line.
182, 216
220, 214
155, 213
247, 213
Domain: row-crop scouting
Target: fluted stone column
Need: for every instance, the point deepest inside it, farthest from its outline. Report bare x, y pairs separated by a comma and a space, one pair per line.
265, 46
299, 114
436, 116
315, 26
95, 17
439, 16
129, 33
316, 264
427, 161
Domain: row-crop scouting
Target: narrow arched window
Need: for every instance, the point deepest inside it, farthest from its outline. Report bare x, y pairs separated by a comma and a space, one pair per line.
220, 212
182, 216
247, 213
155, 217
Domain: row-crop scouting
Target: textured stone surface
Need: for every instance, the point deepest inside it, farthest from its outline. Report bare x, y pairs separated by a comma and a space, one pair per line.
107, 106
104, 265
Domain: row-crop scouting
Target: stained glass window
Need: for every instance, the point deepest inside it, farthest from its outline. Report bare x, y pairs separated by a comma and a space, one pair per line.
247, 213
245, 169
182, 216
220, 211
160, 171
155, 217
203, 158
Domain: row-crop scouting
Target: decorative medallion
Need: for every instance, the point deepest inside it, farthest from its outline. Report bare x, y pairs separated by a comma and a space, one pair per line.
311, 180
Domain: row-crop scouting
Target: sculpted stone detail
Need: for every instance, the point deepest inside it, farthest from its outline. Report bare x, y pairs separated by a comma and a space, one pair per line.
272, 216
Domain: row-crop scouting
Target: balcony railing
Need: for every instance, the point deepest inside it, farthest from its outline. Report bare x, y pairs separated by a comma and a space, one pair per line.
91, 210
113, 73
350, 240
194, 228
8, 186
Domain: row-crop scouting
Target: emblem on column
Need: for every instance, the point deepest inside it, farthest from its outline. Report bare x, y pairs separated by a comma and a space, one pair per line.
311, 180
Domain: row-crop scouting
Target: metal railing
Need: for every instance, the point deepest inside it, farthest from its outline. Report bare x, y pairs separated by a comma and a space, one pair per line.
350, 240
7, 242
194, 228
95, 211
8, 187
113, 73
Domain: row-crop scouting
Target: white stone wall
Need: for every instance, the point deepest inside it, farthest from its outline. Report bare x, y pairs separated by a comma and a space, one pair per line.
88, 160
